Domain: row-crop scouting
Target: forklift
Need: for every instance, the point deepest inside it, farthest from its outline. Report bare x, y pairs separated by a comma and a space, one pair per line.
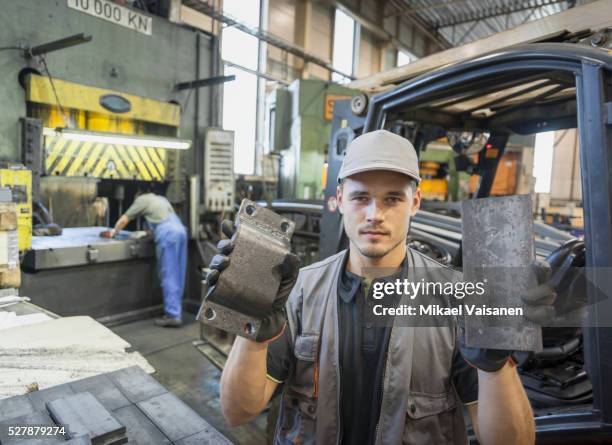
565, 82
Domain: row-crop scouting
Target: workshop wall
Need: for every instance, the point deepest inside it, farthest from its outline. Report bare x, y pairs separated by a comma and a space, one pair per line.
307, 24
321, 35
281, 20
369, 55
310, 24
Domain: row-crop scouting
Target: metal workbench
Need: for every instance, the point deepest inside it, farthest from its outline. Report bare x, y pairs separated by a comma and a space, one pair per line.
27, 308
79, 246
80, 273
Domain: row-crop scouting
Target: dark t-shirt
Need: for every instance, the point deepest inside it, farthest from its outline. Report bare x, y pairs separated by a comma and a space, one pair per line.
363, 352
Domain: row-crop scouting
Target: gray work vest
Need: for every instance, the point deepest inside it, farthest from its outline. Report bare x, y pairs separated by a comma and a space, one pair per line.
419, 403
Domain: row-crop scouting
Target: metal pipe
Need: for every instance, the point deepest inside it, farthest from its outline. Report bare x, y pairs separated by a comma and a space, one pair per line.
259, 74
214, 68
260, 108
194, 199
196, 115
208, 81
66, 42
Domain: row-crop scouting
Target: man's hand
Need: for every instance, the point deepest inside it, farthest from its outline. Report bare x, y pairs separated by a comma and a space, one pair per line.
274, 323
120, 225
539, 300
503, 413
538, 307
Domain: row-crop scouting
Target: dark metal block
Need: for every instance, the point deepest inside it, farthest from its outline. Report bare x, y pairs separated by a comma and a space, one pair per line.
15, 407
498, 249
103, 389
85, 440
246, 290
82, 414
36, 418
135, 384
207, 437
81, 440
40, 398
140, 430
173, 417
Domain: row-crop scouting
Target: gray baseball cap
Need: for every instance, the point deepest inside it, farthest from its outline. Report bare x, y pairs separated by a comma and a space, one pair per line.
380, 150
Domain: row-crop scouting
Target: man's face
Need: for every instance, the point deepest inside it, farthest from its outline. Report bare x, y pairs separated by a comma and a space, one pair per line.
377, 206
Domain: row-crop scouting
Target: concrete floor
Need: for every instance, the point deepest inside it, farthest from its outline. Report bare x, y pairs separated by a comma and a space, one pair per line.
187, 373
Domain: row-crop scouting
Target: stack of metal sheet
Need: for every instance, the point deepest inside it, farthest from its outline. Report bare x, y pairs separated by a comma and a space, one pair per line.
123, 406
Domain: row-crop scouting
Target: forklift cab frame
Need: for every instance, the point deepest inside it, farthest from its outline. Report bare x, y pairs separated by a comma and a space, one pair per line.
575, 92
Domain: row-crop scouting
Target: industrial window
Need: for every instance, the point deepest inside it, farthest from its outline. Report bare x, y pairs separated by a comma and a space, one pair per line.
240, 50
244, 11
344, 46
404, 58
543, 161
239, 109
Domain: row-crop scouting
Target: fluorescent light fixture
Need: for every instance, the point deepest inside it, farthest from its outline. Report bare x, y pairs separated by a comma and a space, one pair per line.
119, 139
50, 132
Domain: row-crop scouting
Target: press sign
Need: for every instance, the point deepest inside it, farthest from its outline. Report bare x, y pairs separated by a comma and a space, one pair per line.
112, 12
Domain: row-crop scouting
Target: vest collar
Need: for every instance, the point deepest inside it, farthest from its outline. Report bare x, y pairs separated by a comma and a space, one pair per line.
349, 283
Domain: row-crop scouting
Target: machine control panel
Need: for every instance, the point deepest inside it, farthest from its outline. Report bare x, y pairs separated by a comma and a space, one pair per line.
219, 182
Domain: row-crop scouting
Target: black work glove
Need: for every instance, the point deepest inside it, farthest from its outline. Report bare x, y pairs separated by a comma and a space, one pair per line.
540, 299
489, 360
538, 307
273, 324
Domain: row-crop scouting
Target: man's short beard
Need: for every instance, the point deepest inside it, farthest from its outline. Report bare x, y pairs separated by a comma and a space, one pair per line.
376, 254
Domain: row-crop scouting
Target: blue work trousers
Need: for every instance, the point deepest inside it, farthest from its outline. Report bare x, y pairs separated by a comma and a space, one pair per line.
171, 253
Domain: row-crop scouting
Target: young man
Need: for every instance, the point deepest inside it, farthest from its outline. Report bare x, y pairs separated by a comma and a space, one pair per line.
170, 250
346, 380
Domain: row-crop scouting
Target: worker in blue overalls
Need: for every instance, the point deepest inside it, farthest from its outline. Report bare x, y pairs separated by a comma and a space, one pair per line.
170, 248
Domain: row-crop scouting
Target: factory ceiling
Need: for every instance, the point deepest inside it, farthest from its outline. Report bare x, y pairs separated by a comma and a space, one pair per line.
462, 21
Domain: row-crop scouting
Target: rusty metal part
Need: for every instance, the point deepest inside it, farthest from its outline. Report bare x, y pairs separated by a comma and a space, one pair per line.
498, 249
246, 290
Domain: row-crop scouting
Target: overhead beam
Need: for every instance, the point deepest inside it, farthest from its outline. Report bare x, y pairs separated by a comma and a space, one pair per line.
432, 6
409, 14
259, 74
493, 11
